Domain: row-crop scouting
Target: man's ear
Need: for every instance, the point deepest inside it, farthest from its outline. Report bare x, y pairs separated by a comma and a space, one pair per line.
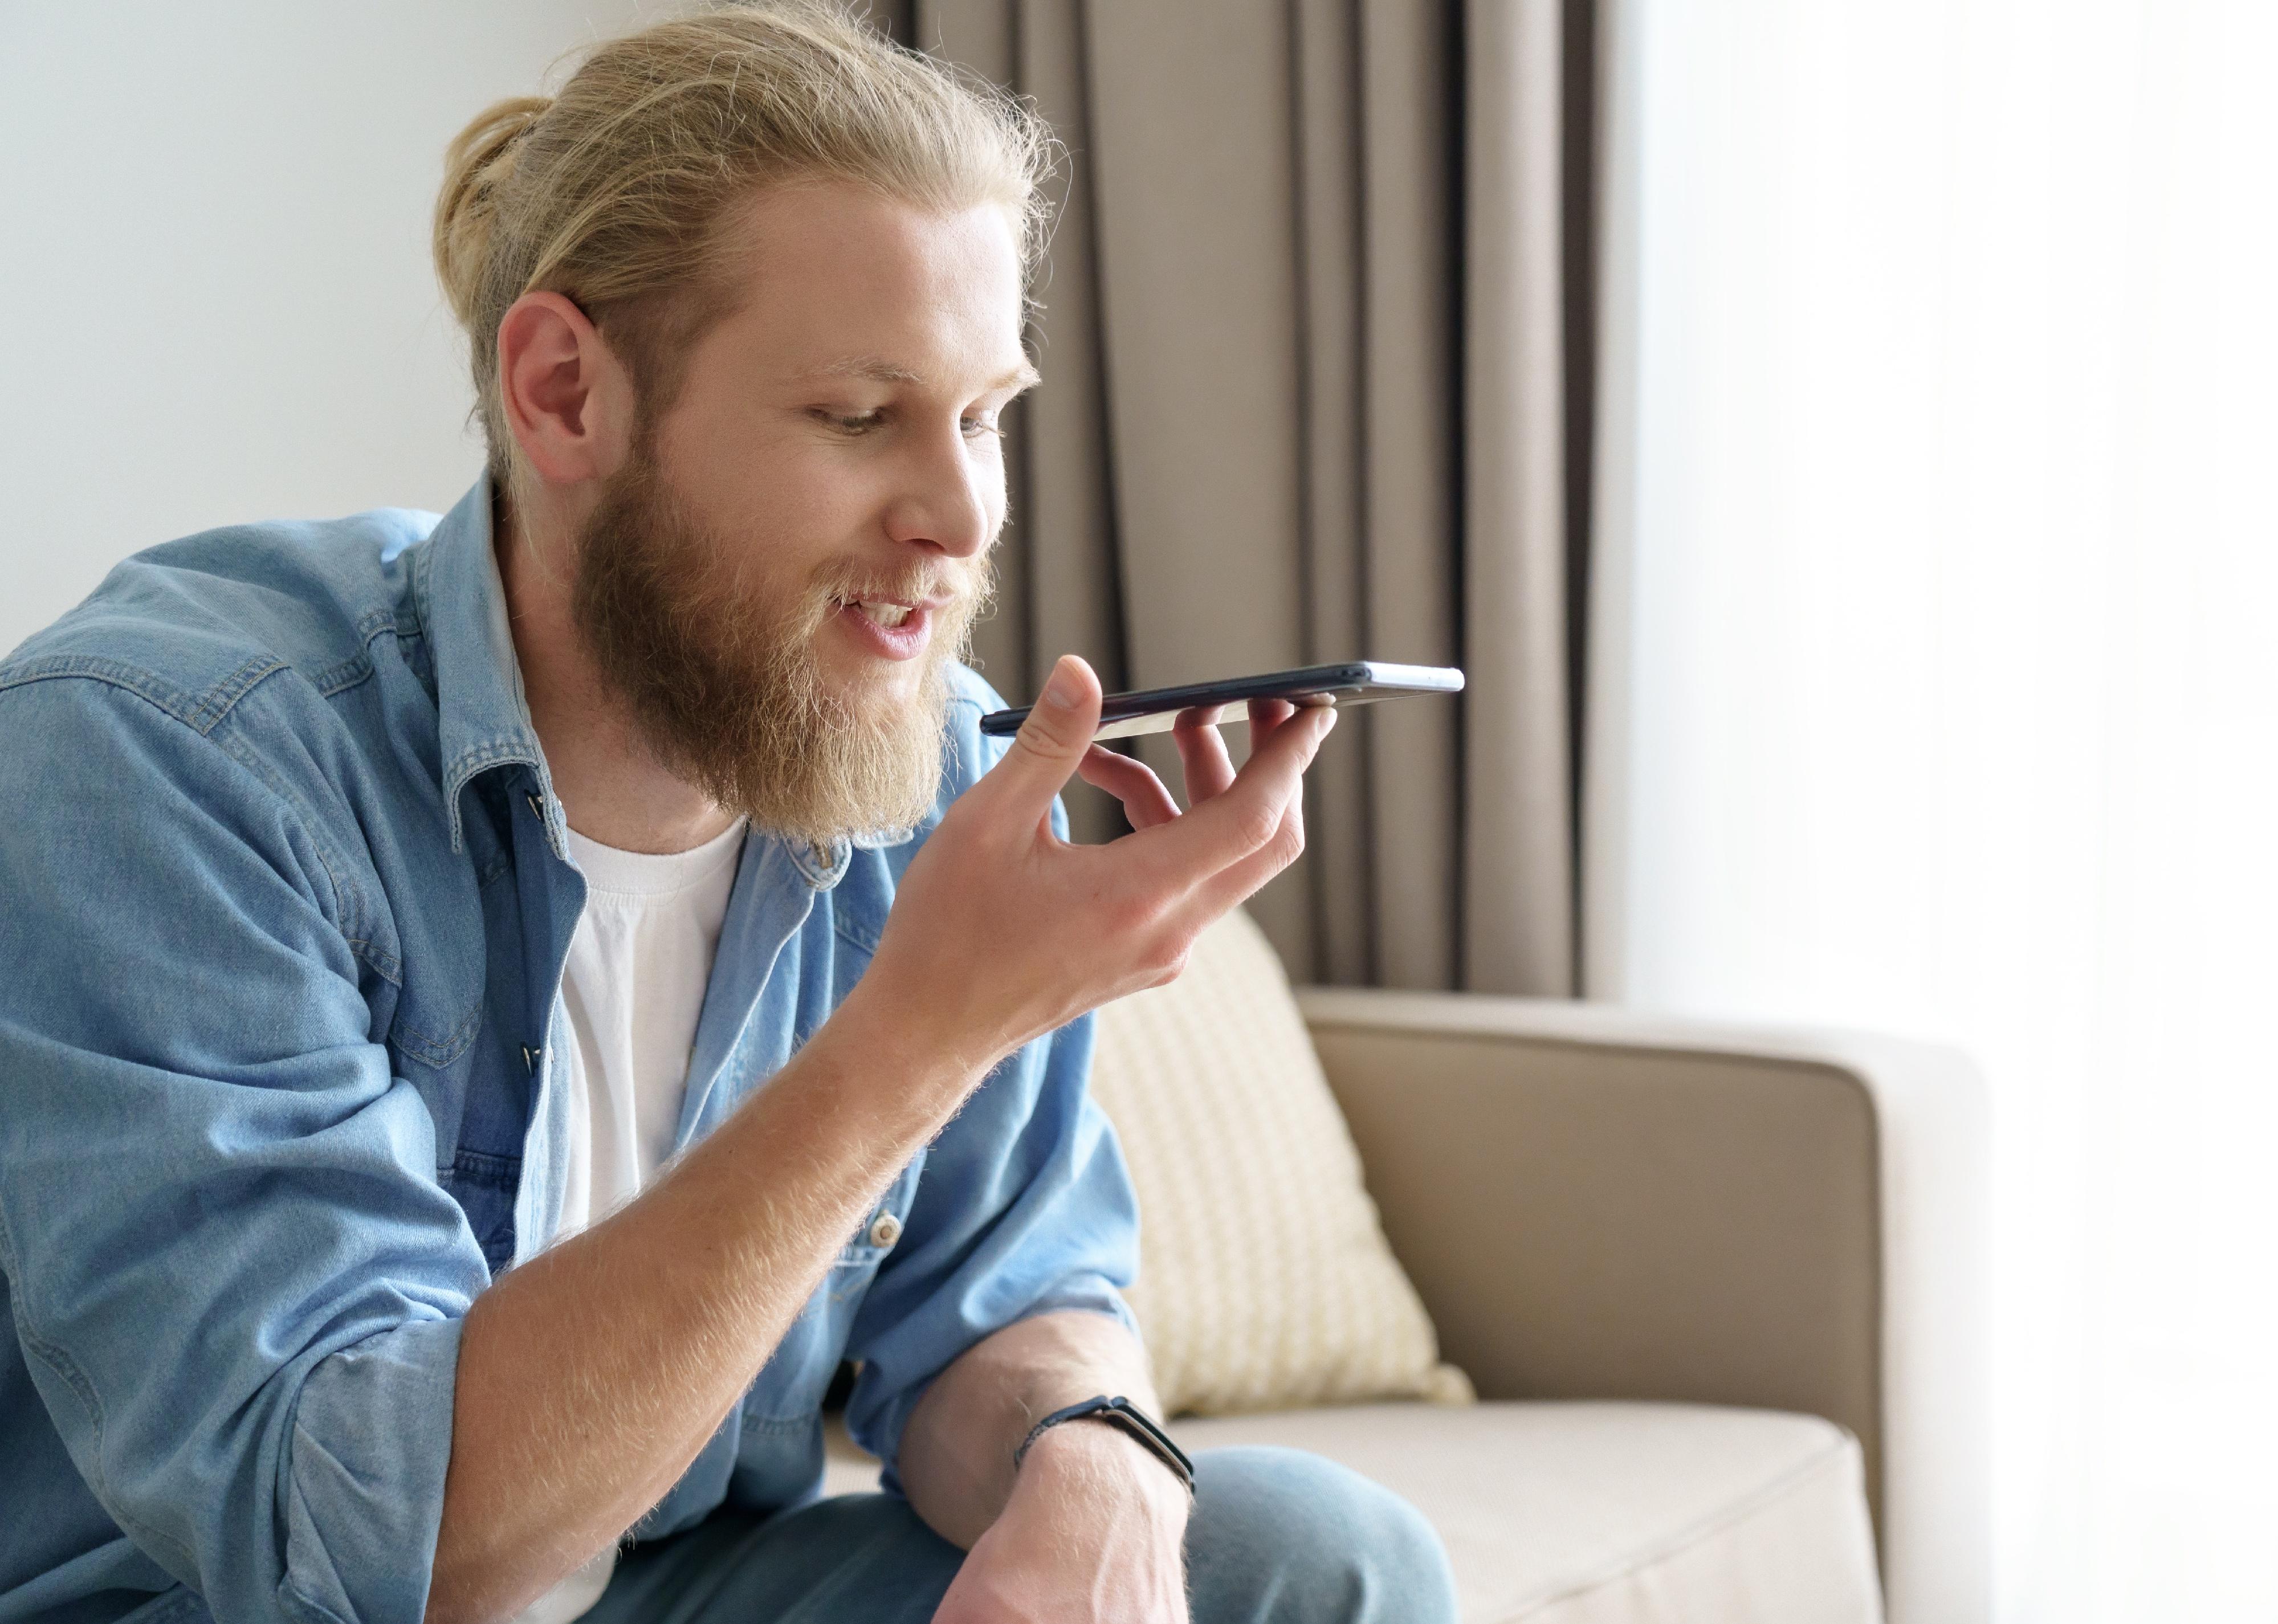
568, 399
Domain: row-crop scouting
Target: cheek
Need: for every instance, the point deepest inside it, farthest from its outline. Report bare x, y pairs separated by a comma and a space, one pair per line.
795, 488
791, 507
756, 470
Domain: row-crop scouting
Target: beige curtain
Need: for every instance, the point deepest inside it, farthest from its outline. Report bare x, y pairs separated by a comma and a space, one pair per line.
1311, 393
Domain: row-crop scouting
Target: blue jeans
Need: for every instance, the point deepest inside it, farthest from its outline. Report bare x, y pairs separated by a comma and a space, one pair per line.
1278, 1537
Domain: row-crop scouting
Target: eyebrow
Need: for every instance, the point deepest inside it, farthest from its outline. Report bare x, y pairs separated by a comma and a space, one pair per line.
876, 370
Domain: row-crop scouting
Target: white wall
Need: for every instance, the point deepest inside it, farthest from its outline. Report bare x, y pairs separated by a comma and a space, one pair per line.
216, 303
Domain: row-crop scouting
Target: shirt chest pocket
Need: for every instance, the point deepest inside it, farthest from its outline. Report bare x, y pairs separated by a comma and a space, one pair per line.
789, 1388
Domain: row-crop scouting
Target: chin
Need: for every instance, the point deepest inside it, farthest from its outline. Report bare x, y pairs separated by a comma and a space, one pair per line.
878, 684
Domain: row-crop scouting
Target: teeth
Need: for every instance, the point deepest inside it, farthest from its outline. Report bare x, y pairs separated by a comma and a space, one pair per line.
884, 613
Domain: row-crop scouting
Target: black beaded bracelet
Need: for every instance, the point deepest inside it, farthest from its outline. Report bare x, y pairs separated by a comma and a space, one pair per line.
1128, 1417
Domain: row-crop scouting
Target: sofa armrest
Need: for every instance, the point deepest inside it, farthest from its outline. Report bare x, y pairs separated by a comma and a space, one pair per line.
1595, 1203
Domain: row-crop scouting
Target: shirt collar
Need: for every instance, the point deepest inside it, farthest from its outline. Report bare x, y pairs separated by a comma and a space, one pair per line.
485, 717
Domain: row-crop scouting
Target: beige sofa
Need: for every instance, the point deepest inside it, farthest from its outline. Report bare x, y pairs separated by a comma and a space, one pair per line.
1721, 1293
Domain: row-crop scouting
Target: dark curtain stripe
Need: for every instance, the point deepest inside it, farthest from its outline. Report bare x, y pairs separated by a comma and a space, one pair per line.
1326, 272
1580, 146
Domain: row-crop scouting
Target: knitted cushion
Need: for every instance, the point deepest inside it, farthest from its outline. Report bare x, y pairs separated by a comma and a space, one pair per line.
1264, 1279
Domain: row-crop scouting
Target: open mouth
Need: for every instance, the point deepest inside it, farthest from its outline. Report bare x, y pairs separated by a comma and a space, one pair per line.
878, 612
894, 628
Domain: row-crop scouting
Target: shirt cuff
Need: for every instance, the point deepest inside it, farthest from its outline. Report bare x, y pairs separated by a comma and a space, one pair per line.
372, 1442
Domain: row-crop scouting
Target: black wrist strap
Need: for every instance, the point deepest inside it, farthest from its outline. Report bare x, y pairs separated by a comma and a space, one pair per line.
1126, 1417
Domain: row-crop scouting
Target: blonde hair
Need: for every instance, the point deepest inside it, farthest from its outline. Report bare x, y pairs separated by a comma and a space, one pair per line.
608, 191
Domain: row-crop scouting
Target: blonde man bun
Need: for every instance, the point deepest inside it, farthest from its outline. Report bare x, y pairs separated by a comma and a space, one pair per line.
478, 159
609, 191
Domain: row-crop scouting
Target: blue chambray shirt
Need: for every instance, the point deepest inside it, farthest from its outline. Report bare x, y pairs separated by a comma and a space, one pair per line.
284, 902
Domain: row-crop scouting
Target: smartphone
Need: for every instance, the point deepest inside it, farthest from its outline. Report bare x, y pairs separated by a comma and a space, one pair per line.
1355, 681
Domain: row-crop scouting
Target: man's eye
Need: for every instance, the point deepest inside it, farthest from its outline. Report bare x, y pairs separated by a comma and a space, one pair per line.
976, 427
856, 422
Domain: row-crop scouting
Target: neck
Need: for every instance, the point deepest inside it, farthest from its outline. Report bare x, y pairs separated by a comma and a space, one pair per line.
613, 788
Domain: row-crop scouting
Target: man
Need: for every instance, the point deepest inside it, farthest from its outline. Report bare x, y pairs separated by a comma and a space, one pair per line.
467, 981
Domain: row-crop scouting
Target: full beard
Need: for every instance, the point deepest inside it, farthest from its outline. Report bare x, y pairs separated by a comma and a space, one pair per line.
724, 682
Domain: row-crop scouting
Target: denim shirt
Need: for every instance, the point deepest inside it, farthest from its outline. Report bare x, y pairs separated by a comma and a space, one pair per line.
284, 904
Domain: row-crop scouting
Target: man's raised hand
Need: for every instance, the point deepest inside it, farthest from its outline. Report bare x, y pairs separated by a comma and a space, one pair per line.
1002, 932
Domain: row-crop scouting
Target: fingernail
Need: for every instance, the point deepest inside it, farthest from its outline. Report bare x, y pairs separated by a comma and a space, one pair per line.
1061, 691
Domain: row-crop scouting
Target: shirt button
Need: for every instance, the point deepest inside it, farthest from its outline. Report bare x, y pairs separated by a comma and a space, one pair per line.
886, 1230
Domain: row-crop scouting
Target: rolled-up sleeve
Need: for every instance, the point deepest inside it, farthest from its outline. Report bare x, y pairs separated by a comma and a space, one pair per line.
237, 1282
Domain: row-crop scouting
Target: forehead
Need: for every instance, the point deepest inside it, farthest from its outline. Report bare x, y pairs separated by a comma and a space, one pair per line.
831, 274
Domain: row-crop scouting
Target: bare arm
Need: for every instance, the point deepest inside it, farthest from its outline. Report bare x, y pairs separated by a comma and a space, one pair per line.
567, 1426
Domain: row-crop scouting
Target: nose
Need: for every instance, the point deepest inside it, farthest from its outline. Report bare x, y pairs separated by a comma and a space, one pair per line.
950, 500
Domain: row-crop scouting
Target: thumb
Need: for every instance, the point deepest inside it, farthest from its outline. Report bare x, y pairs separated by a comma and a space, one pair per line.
1051, 740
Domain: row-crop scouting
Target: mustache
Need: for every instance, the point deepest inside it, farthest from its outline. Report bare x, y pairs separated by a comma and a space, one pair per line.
956, 589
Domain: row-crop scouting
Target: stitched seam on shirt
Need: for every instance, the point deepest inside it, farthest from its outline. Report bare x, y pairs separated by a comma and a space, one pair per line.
442, 1051
360, 666
56, 1359
374, 623
217, 701
338, 679
200, 712
853, 935
494, 752
422, 570
135, 681
489, 1163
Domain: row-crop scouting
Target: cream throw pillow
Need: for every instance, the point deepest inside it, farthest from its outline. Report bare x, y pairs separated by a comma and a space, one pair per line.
1264, 1279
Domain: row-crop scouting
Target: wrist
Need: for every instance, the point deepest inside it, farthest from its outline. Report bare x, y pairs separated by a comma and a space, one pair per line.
923, 1034
1087, 1472
882, 1033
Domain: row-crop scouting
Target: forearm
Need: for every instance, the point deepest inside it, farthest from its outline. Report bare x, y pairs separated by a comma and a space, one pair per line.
590, 1376
956, 1455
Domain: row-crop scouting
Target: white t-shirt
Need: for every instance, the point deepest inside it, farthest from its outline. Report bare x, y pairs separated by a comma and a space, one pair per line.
633, 989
